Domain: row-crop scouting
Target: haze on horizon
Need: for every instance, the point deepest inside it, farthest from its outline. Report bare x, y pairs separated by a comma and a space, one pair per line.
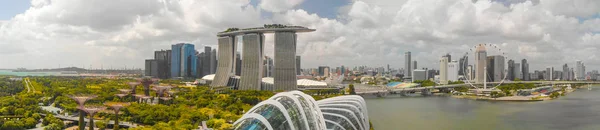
117, 33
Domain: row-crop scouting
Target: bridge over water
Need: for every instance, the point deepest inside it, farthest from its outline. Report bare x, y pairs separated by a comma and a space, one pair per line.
385, 90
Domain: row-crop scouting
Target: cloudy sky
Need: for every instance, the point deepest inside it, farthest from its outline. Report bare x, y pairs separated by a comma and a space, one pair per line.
118, 33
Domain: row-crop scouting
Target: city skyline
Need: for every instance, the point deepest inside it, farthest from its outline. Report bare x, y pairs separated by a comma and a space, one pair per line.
120, 38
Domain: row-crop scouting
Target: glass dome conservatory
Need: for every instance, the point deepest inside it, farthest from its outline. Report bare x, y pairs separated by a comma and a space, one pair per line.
297, 111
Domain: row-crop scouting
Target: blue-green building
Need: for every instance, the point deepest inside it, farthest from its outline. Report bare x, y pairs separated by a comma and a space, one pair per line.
183, 60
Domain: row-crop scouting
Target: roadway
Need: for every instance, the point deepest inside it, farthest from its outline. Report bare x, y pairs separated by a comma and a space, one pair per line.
380, 90
76, 119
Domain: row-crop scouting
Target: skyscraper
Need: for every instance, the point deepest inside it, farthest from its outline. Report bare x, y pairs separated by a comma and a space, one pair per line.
565, 70
511, 70
525, 69
452, 71
298, 67
480, 60
163, 59
414, 65
322, 70
213, 61
580, 71
268, 67
183, 60
151, 68
238, 64
407, 65
444, 70
548, 74
495, 68
469, 74
448, 56
199, 64
207, 61
251, 66
517, 72
463, 63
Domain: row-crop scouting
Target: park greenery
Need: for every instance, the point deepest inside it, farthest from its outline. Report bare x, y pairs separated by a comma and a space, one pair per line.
425, 83
187, 109
510, 89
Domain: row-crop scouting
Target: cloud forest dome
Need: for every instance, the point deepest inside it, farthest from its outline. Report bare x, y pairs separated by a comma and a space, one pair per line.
297, 111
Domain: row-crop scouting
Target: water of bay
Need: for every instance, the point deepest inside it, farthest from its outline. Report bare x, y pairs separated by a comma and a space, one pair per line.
579, 110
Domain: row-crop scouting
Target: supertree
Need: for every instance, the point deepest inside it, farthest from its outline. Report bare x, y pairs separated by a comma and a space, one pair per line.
133, 85
91, 110
160, 91
141, 97
146, 82
116, 106
165, 99
124, 93
120, 95
81, 99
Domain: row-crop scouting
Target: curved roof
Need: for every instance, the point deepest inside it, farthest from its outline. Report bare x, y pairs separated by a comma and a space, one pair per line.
308, 82
480, 48
209, 77
300, 82
302, 112
266, 30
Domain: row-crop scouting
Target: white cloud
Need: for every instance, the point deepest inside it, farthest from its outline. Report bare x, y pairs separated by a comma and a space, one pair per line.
366, 32
279, 5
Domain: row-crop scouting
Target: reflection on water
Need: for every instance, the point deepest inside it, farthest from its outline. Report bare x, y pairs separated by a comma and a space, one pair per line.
578, 110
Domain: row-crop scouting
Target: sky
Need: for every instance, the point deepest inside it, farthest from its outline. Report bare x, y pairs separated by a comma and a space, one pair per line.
119, 33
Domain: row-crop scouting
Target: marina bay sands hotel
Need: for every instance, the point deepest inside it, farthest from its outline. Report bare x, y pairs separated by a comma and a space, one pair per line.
284, 77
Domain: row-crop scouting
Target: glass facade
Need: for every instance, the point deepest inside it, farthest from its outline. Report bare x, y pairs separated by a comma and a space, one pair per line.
183, 60
297, 111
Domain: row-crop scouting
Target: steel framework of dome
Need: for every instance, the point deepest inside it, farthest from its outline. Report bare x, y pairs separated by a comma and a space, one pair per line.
295, 110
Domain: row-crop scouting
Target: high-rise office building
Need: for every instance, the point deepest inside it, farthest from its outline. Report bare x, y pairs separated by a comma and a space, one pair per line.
431, 74
548, 73
199, 62
419, 74
565, 69
207, 61
213, 61
183, 60
298, 67
326, 72
407, 65
452, 71
322, 70
480, 63
525, 69
511, 70
580, 71
469, 73
463, 62
443, 70
151, 68
414, 65
163, 59
517, 72
268, 67
448, 56
238, 64
495, 68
